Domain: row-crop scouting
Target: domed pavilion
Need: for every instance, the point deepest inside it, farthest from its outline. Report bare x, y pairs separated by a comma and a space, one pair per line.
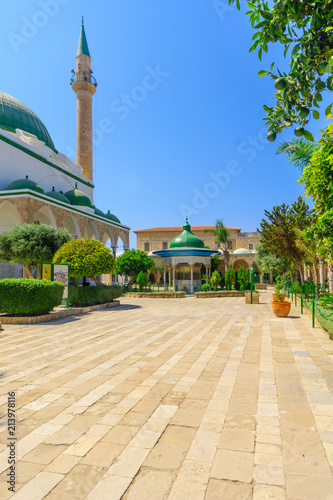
184, 259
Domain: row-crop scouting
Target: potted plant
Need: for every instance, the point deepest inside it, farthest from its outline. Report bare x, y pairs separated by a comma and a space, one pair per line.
281, 307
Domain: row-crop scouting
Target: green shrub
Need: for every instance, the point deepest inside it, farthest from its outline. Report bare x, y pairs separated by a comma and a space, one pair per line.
215, 280
297, 287
205, 287
29, 297
141, 280
229, 277
81, 296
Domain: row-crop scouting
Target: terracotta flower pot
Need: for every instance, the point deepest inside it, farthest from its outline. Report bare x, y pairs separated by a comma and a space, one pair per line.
275, 299
281, 309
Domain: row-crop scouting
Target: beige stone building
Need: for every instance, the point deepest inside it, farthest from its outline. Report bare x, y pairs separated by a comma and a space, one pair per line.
40, 184
241, 245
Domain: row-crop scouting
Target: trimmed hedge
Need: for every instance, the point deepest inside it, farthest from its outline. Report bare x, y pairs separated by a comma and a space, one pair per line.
29, 297
81, 296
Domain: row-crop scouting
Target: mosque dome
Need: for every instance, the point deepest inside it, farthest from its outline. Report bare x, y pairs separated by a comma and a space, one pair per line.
99, 212
241, 251
14, 114
77, 197
25, 184
112, 217
58, 196
187, 239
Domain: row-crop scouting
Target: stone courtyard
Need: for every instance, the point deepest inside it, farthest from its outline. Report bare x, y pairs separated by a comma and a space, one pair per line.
170, 399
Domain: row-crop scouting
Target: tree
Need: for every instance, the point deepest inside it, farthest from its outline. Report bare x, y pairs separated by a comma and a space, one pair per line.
229, 277
86, 258
215, 280
298, 151
268, 262
158, 272
278, 232
242, 277
32, 244
131, 263
221, 236
306, 28
141, 280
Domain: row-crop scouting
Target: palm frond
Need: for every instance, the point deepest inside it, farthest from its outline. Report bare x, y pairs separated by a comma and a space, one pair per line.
298, 151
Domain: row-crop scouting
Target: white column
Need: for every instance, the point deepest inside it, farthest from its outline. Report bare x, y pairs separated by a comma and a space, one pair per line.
207, 274
261, 275
192, 283
305, 273
164, 278
174, 277
114, 250
322, 281
210, 275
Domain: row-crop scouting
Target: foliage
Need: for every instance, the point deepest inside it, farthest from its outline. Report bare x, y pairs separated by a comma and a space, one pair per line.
215, 262
298, 151
81, 296
297, 287
242, 277
278, 232
29, 297
229, 277
279, 288
131, 263
268, 262
205, 287
221, 236
141, 280
31, 244
86, 257
306, 28
215, 280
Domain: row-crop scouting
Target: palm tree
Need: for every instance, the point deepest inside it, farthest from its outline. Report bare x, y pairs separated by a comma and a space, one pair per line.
221, 236
298, 151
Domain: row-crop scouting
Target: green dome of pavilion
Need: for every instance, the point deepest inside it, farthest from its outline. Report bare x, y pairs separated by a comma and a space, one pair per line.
99, 212
58, 196
14, 114
77, 197
25, 184
112, 217
187, 239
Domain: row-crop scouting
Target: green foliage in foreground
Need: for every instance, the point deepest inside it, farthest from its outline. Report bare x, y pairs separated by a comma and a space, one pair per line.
229, 277
82, 296
29, 297
205, 287
141, 280
215, 280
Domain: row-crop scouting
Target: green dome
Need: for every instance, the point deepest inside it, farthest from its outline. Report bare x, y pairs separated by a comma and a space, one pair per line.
25, 184
99, 212
112, 217
14, 114
58, 196
187, 239
77, 197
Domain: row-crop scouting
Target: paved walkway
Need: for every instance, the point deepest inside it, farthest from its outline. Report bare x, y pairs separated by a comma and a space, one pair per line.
170, 399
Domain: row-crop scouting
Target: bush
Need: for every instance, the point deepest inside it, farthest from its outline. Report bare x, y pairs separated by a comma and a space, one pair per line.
141, 280
297, 287
29, 297
81, 296
229, 277
215, 280
205, 287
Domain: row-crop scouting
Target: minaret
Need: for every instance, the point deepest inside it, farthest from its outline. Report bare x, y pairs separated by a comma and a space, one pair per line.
84, 86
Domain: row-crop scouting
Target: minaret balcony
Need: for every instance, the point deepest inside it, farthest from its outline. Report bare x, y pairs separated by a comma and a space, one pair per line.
83, 76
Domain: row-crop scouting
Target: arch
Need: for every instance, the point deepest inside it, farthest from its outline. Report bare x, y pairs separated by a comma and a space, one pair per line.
9, 216
240, 263
108, 236
70, 223
45, 216
124, 238
91, 231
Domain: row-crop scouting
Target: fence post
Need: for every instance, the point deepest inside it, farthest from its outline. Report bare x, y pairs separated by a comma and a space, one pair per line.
295, 298
313, 312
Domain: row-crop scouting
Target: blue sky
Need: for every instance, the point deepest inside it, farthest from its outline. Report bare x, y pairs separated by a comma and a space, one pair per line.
177, 112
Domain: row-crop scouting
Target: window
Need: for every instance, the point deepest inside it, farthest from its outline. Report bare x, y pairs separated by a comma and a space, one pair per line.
229, 244
217, 244
164, 245
146, 247
250, 246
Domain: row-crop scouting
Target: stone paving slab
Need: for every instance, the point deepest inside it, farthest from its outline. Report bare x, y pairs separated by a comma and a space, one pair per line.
170, 400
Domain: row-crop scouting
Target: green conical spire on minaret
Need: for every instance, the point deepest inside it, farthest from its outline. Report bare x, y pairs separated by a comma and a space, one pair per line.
83, 44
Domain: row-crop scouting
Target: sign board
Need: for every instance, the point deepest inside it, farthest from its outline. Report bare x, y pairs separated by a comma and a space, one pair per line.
57, 272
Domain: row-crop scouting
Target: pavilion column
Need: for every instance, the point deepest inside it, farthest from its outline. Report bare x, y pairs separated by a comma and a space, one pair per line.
271, 277
192, 282
207, 274
174, 277
170, 277
114, 250
322, 280
210, 275
164, 278
261, 277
